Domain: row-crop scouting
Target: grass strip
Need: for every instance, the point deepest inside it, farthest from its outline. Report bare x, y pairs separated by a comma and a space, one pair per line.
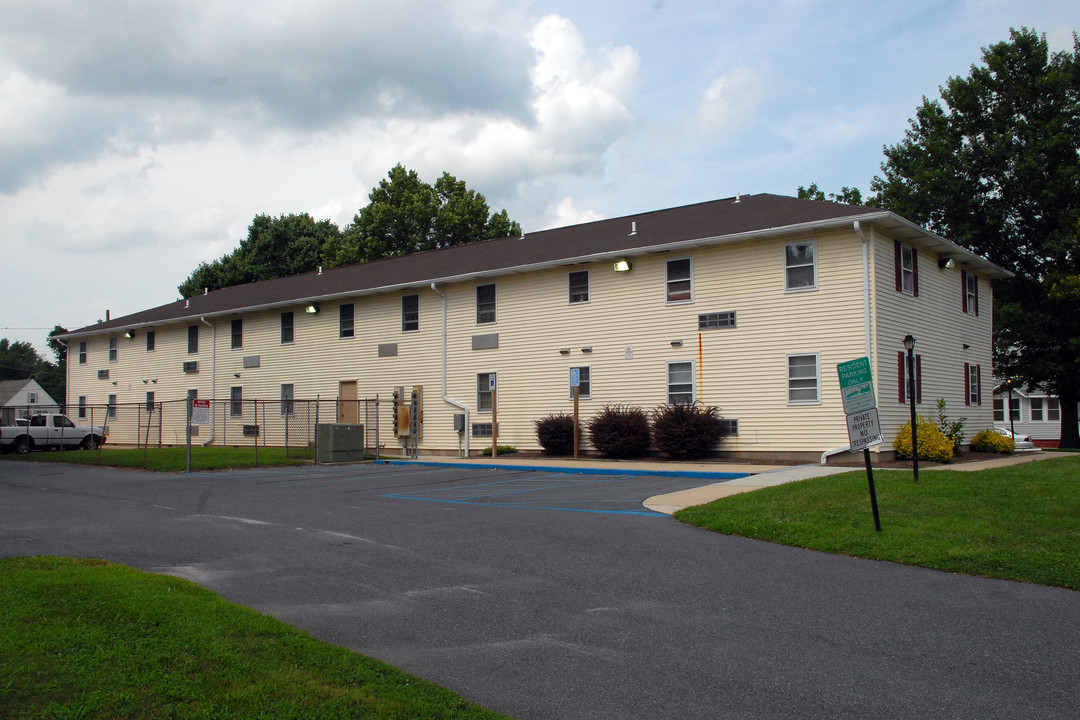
91, 639
1020, 522
174, 459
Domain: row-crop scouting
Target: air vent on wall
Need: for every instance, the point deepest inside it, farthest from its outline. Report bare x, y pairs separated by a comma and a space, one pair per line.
102, 374
191, 366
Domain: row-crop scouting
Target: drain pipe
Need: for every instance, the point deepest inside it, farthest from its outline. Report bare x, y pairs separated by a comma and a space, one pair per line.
445, 398
213, 379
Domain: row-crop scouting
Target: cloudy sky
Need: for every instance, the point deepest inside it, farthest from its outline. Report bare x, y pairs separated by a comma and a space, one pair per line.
139, 138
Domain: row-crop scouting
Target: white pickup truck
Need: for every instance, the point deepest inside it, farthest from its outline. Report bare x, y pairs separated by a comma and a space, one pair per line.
49, 430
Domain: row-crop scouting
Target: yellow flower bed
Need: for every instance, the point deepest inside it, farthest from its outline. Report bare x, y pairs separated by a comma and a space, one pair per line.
994, 442
933, 445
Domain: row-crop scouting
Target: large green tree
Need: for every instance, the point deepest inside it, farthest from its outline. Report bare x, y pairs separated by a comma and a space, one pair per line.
19, 361
995, 166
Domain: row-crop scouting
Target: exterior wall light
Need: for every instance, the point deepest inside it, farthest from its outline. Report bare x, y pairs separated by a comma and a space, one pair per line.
129, 334
622, 265
945, 262
312, 309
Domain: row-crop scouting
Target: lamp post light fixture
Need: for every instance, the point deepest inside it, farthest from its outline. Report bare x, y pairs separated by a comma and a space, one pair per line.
909, 344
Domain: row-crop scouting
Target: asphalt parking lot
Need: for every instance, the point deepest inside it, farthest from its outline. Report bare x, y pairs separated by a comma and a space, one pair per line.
560, 596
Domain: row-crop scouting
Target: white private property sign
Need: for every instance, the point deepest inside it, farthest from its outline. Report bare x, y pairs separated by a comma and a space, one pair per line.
200, 412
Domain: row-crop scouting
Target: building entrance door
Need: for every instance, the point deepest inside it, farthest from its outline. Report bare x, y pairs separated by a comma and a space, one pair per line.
348, 408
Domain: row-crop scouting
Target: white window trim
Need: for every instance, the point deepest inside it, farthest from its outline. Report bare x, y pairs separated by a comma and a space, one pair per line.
478, 391
817, 377
403, 320
570, 290
814, 265
1055, 408
667, 281
907, 271
667, 380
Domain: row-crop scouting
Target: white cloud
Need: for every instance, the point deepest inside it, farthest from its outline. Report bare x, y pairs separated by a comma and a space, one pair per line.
566, 213
731, 102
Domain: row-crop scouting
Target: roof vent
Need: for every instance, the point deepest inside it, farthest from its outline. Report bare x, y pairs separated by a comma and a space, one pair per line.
738, 197
633, 227
320, 269
187, 303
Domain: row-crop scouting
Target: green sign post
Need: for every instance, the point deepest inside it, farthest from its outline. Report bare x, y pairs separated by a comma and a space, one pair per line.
864, 426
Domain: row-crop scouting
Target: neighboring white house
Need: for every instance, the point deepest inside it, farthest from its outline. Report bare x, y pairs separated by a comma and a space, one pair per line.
746, 303
1034, 413
23, 398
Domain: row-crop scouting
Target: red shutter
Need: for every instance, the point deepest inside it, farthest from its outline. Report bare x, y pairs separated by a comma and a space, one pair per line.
976, 283
900, 376
967, 386
963, 290
918, 378
915, 272
978, 383
896, 263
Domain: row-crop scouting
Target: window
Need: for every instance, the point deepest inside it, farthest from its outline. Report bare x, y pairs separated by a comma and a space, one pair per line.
237, 333
236, 401
287, 400
1037, 410
192, 339
151, 341
112, 406
286, 328
82, 406
906, 262
579, 287
193, 394
802, 379
972, 384
482, 430
680, 286
800, 265
410, 313
82, 352
999, 409
485, 304
114, 353
483, 391
584, 383
150, 401
969, 287
680, 383
708, 321
345, 320
1045, 410
31, 398
729, 426
1053, 410
903, 377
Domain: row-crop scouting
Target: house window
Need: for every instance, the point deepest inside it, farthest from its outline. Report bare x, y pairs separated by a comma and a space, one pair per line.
193, 394
999, 409
112, 407
237, 333
192, 339
969, 286
482, 430
483, 391
485, 304
31, 398
151, 341
345, 320
803, 380
286, 328
708, 321
903, 377
82, 406
150, 401
680, 383
82, 352
906, 262
680, 286
800, 265
579, 287
584, 383
729, 426
287, 406
1053, 410
972, 384
114, 352
410, 313
1037, 410
236, 401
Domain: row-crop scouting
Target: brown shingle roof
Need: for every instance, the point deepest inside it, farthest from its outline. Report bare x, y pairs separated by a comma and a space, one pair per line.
706, 222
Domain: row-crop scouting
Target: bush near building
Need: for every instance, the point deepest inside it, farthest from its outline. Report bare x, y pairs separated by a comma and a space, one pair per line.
685, 431
555, 433
993, 442
620, 431
933, 445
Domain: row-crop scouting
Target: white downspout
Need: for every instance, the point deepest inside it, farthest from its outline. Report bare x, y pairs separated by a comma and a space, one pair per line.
445, 398
213, 379
866, 284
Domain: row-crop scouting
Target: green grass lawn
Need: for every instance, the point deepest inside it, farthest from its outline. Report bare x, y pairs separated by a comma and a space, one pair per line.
89, 639
173, 459
1020, 522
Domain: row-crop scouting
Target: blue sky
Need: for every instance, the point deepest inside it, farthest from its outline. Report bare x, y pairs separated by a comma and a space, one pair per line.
138, 139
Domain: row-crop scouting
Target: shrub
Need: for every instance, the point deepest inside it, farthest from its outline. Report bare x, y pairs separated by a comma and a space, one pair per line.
993, 442
686, 431
952, 429
620, 431
933, 445
555, 434
503, 450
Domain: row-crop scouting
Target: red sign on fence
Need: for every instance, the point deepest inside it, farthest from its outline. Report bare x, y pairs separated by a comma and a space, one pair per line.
200, 412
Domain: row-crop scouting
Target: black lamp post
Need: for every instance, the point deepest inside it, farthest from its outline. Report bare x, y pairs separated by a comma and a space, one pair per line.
909, 343
1012, 428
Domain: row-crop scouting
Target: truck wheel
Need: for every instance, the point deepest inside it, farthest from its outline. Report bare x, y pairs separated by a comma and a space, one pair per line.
90, 442
23, 445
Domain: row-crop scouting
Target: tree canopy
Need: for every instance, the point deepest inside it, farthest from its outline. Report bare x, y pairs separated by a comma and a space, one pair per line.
847, 195
19, 361
995, 167
404, 215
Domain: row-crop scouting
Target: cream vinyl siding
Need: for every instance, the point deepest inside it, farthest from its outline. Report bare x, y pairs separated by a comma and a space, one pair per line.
941, 329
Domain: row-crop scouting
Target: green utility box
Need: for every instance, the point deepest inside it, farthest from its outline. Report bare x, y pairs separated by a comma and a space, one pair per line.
338, 442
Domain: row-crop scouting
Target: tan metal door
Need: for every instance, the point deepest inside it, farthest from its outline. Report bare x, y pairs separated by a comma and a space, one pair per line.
348, 408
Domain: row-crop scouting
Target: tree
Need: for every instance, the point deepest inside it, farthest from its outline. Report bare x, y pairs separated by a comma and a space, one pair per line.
19, 361
995, 168
848, 196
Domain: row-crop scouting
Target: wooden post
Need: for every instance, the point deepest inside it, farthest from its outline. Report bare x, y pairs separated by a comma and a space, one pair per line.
494, 425
577, 392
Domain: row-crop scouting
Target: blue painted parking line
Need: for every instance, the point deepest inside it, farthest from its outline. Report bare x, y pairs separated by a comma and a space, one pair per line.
577, 470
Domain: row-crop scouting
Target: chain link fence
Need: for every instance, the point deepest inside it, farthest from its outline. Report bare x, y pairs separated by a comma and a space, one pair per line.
233, 431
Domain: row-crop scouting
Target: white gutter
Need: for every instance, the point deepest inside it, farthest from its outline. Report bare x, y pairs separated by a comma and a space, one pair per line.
866, 284
835, 451
213, 380
445, 398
